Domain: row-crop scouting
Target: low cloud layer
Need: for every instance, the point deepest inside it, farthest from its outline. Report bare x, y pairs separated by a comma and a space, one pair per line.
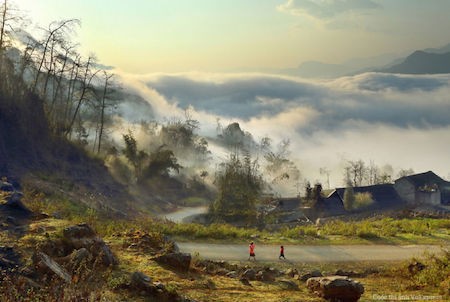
397, 100
390, 119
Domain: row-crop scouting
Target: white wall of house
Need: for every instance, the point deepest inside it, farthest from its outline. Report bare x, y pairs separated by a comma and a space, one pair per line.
432, 198
405, 190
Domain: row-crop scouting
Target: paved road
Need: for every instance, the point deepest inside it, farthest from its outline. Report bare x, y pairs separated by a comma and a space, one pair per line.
309, 253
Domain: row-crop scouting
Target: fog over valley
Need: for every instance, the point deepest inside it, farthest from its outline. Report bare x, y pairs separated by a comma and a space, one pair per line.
387, 119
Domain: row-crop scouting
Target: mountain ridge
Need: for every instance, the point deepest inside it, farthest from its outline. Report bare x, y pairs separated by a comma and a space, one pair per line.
422, 62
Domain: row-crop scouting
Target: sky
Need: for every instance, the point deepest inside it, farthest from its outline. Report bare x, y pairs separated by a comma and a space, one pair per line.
216, 57
143, 36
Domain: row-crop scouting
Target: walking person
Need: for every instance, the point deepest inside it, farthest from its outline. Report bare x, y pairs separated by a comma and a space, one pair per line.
251, 248
281, 253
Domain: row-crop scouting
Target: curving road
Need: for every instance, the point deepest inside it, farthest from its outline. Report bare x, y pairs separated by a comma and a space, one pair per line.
309, 253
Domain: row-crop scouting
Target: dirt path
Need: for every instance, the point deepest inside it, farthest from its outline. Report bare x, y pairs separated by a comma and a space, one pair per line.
309, 253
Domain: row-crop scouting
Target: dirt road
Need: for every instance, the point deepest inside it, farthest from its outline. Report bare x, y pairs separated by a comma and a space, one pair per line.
308, 253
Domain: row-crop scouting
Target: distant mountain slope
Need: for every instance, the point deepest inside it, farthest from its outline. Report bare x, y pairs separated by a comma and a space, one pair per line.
315, 69
421, 62
441, 50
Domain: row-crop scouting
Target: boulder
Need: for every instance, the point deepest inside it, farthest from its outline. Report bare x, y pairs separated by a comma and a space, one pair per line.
83, 236
311, 274
178, 261
336, 288
288, 284
142, 282
249, 274
79, 231
266, 275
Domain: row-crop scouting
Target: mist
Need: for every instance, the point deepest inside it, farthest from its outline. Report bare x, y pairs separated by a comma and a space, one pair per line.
400, 120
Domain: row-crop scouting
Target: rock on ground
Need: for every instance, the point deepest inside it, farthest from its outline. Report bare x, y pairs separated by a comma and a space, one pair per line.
336, 288
178, 261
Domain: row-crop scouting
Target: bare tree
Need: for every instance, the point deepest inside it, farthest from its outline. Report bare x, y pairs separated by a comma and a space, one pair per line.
9, 17
355, 172
103, 106
86, 86
62, 74
373, 174
56, 30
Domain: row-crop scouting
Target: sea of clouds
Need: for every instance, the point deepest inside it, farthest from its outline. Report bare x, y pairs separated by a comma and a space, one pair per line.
401, 120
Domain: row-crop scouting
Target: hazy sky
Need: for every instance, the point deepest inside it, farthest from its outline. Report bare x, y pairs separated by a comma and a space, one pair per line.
142, 36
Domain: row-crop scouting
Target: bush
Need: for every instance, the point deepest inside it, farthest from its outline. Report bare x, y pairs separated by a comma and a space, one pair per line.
362, 200
436, 272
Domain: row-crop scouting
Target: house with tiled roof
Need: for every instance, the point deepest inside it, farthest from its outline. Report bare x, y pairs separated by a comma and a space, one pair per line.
331, 205
423, 188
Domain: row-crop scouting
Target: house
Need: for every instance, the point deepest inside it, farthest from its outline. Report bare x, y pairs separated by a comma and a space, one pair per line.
423, 188
384, 196
332, 205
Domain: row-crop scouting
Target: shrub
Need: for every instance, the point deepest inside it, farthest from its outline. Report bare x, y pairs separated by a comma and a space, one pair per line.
436, 272
362, 200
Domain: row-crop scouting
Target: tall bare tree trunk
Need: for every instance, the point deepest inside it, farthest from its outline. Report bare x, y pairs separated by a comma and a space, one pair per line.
102, 112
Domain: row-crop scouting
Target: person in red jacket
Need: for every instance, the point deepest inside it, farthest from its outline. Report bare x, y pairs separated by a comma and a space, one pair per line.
251, 248
281, 253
